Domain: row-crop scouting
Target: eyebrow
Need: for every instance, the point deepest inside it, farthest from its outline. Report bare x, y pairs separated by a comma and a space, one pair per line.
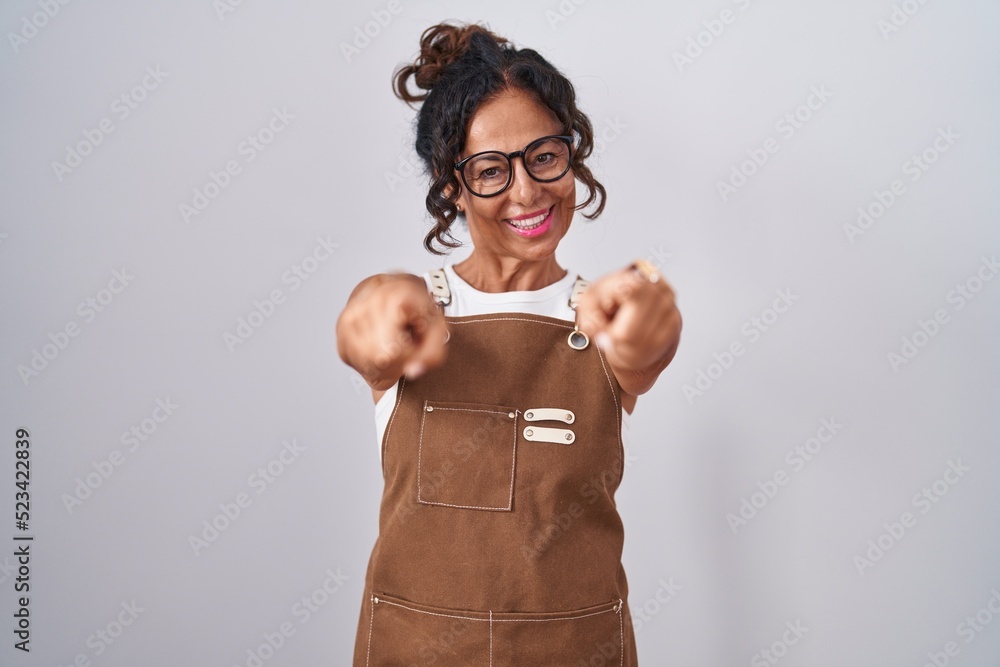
497, 150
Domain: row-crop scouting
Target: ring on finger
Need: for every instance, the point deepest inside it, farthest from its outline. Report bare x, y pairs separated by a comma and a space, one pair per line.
645, 269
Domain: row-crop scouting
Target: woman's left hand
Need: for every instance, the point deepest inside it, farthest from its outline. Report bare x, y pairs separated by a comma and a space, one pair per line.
634, 321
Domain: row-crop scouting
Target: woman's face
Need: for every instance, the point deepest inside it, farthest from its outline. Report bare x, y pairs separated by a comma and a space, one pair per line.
508, 123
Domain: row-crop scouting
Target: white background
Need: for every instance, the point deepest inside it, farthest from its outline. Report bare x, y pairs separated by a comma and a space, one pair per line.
670, 131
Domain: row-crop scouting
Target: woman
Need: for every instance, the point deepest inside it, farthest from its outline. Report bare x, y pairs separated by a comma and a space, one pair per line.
499, 541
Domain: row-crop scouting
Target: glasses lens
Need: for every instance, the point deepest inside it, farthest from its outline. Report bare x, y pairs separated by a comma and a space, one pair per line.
487, 174
547, 159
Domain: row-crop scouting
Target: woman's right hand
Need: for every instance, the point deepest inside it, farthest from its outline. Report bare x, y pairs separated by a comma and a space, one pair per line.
391, 326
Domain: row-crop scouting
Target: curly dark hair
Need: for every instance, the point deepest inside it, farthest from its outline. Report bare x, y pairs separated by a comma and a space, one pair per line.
463, 66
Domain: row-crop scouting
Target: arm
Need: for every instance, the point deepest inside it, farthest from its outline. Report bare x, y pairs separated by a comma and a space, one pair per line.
638, 382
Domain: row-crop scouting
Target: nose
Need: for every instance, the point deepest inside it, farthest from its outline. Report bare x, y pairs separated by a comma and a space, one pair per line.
523, 188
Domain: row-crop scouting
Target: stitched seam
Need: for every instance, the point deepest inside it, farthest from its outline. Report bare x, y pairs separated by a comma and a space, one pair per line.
470, 507
618, 417
385, 441
388, 429
491, 638
621, 635
492, 412
420, 444
420, 449
371, 619
513, 461
499, 620
515, 319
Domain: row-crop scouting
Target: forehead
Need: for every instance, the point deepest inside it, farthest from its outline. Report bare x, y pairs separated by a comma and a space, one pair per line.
508, 123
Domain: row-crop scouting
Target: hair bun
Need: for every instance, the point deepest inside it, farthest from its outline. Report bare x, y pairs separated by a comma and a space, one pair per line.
440, 46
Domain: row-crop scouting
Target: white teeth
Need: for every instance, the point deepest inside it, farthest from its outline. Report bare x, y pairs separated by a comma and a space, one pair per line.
529, 223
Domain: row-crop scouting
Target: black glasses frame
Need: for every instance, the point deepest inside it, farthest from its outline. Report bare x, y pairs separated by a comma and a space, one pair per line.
460, 166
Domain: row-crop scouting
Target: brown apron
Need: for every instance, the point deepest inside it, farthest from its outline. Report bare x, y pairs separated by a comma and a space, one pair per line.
499, 540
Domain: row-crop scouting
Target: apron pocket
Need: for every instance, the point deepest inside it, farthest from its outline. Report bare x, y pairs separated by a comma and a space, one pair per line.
466, 455
590, 636
407, 633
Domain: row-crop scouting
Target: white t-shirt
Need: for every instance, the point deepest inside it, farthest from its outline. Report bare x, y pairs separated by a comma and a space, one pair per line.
551, 300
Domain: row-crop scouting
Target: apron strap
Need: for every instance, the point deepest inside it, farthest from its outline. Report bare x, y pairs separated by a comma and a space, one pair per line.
440, 291
578, 288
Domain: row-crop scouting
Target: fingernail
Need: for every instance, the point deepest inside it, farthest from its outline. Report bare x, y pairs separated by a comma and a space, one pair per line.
414, 370
603, 340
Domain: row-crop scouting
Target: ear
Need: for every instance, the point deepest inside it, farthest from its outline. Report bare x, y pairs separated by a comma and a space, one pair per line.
447, 192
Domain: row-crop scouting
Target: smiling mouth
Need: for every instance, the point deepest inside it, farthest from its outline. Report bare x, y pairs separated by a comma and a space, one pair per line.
530, 223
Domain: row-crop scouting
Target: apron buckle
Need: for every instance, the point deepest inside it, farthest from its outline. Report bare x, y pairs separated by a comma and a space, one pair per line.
578, 340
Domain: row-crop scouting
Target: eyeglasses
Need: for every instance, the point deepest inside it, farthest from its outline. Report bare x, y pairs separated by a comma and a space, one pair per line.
489, 173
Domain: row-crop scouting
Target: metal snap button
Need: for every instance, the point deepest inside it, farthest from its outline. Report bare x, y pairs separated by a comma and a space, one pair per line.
528, 432
511, 415
529, 415
430, 408
569, 436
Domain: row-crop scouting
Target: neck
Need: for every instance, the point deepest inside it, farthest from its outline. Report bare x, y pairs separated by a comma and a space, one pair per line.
508, 274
